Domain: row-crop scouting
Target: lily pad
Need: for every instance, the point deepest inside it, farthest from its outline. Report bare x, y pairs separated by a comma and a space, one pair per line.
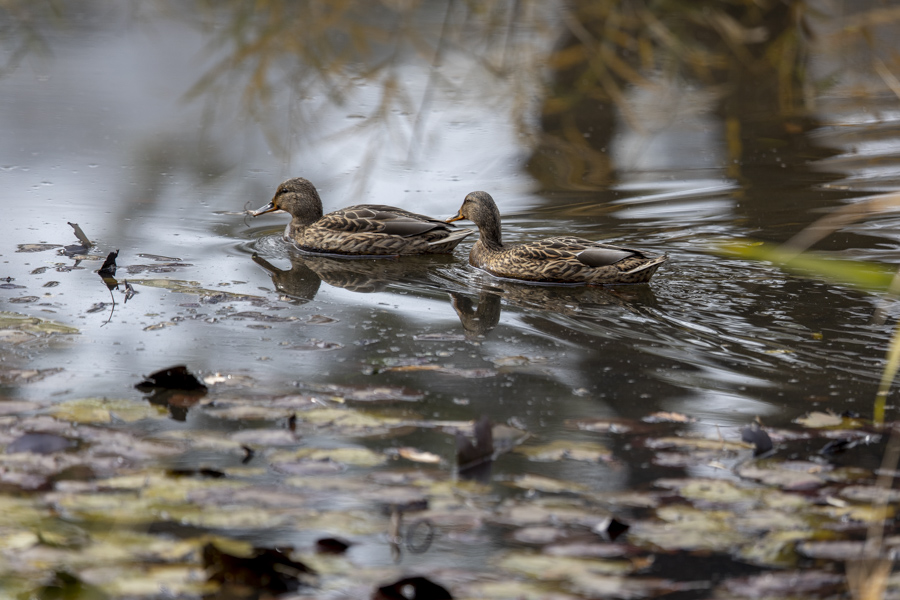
820, 420
546, 484
191, 287
33, 325
103, 410
697, 443
540, 566
563, 449
356, 457
787, 475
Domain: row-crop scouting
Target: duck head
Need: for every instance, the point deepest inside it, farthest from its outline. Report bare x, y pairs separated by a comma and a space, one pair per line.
298, 197
480, 208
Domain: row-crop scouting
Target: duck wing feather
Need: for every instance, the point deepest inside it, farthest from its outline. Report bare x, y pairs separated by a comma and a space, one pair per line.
591, 254
381, 219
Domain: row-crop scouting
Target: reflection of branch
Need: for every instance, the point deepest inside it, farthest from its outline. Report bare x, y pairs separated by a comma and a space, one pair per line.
20, 19
294, 52
432, 75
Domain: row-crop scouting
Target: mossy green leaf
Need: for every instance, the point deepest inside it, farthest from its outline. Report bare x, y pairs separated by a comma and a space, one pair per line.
105, 410
33, 325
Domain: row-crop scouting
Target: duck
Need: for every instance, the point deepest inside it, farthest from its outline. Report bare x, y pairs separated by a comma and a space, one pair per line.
364, 230
555, 260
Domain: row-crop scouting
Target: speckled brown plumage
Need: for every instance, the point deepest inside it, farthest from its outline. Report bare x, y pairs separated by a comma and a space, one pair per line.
551, 260
363, 230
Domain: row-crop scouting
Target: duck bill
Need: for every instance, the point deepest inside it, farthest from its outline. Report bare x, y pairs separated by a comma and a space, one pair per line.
265, 209
458, 217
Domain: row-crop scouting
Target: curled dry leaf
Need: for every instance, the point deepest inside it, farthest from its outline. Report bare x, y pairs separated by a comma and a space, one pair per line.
416, 455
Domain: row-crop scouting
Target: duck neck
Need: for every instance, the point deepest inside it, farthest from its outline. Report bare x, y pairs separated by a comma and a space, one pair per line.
308, 212
491, 237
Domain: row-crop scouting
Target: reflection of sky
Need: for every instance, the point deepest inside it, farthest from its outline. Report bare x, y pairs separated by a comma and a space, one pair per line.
100, 134
109, 105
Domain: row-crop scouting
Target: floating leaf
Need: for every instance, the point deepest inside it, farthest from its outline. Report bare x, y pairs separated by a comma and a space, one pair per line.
546, 484
667, 417
788, 475
376, 393
785, 584
697, 443
25, 376
36, 247
870, 493
607, 586
104, 410
562, 449
820, 420
684, 527
266, 437
416, 455
351, 423
127, 581
40, 443
604, 425
357, 457
543, 567
32, 325
465, 373
192, 287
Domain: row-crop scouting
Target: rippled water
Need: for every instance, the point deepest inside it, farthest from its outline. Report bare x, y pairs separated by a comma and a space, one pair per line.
100, 133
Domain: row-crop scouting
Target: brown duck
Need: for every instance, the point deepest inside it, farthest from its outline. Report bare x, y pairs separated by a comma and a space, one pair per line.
564, 260
362, 230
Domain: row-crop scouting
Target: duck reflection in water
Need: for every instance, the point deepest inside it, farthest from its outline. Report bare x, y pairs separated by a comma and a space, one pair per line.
299, 282
478, 320
360, 275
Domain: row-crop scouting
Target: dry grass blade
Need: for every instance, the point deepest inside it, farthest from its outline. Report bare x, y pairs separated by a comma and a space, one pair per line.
887, 377
851, 213
867, 576
889, 78
873, 207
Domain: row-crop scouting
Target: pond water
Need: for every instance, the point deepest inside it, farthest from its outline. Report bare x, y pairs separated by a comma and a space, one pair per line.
156, 126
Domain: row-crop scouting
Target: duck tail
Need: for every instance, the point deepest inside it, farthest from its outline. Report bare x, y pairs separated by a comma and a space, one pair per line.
452, 239
645, 271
